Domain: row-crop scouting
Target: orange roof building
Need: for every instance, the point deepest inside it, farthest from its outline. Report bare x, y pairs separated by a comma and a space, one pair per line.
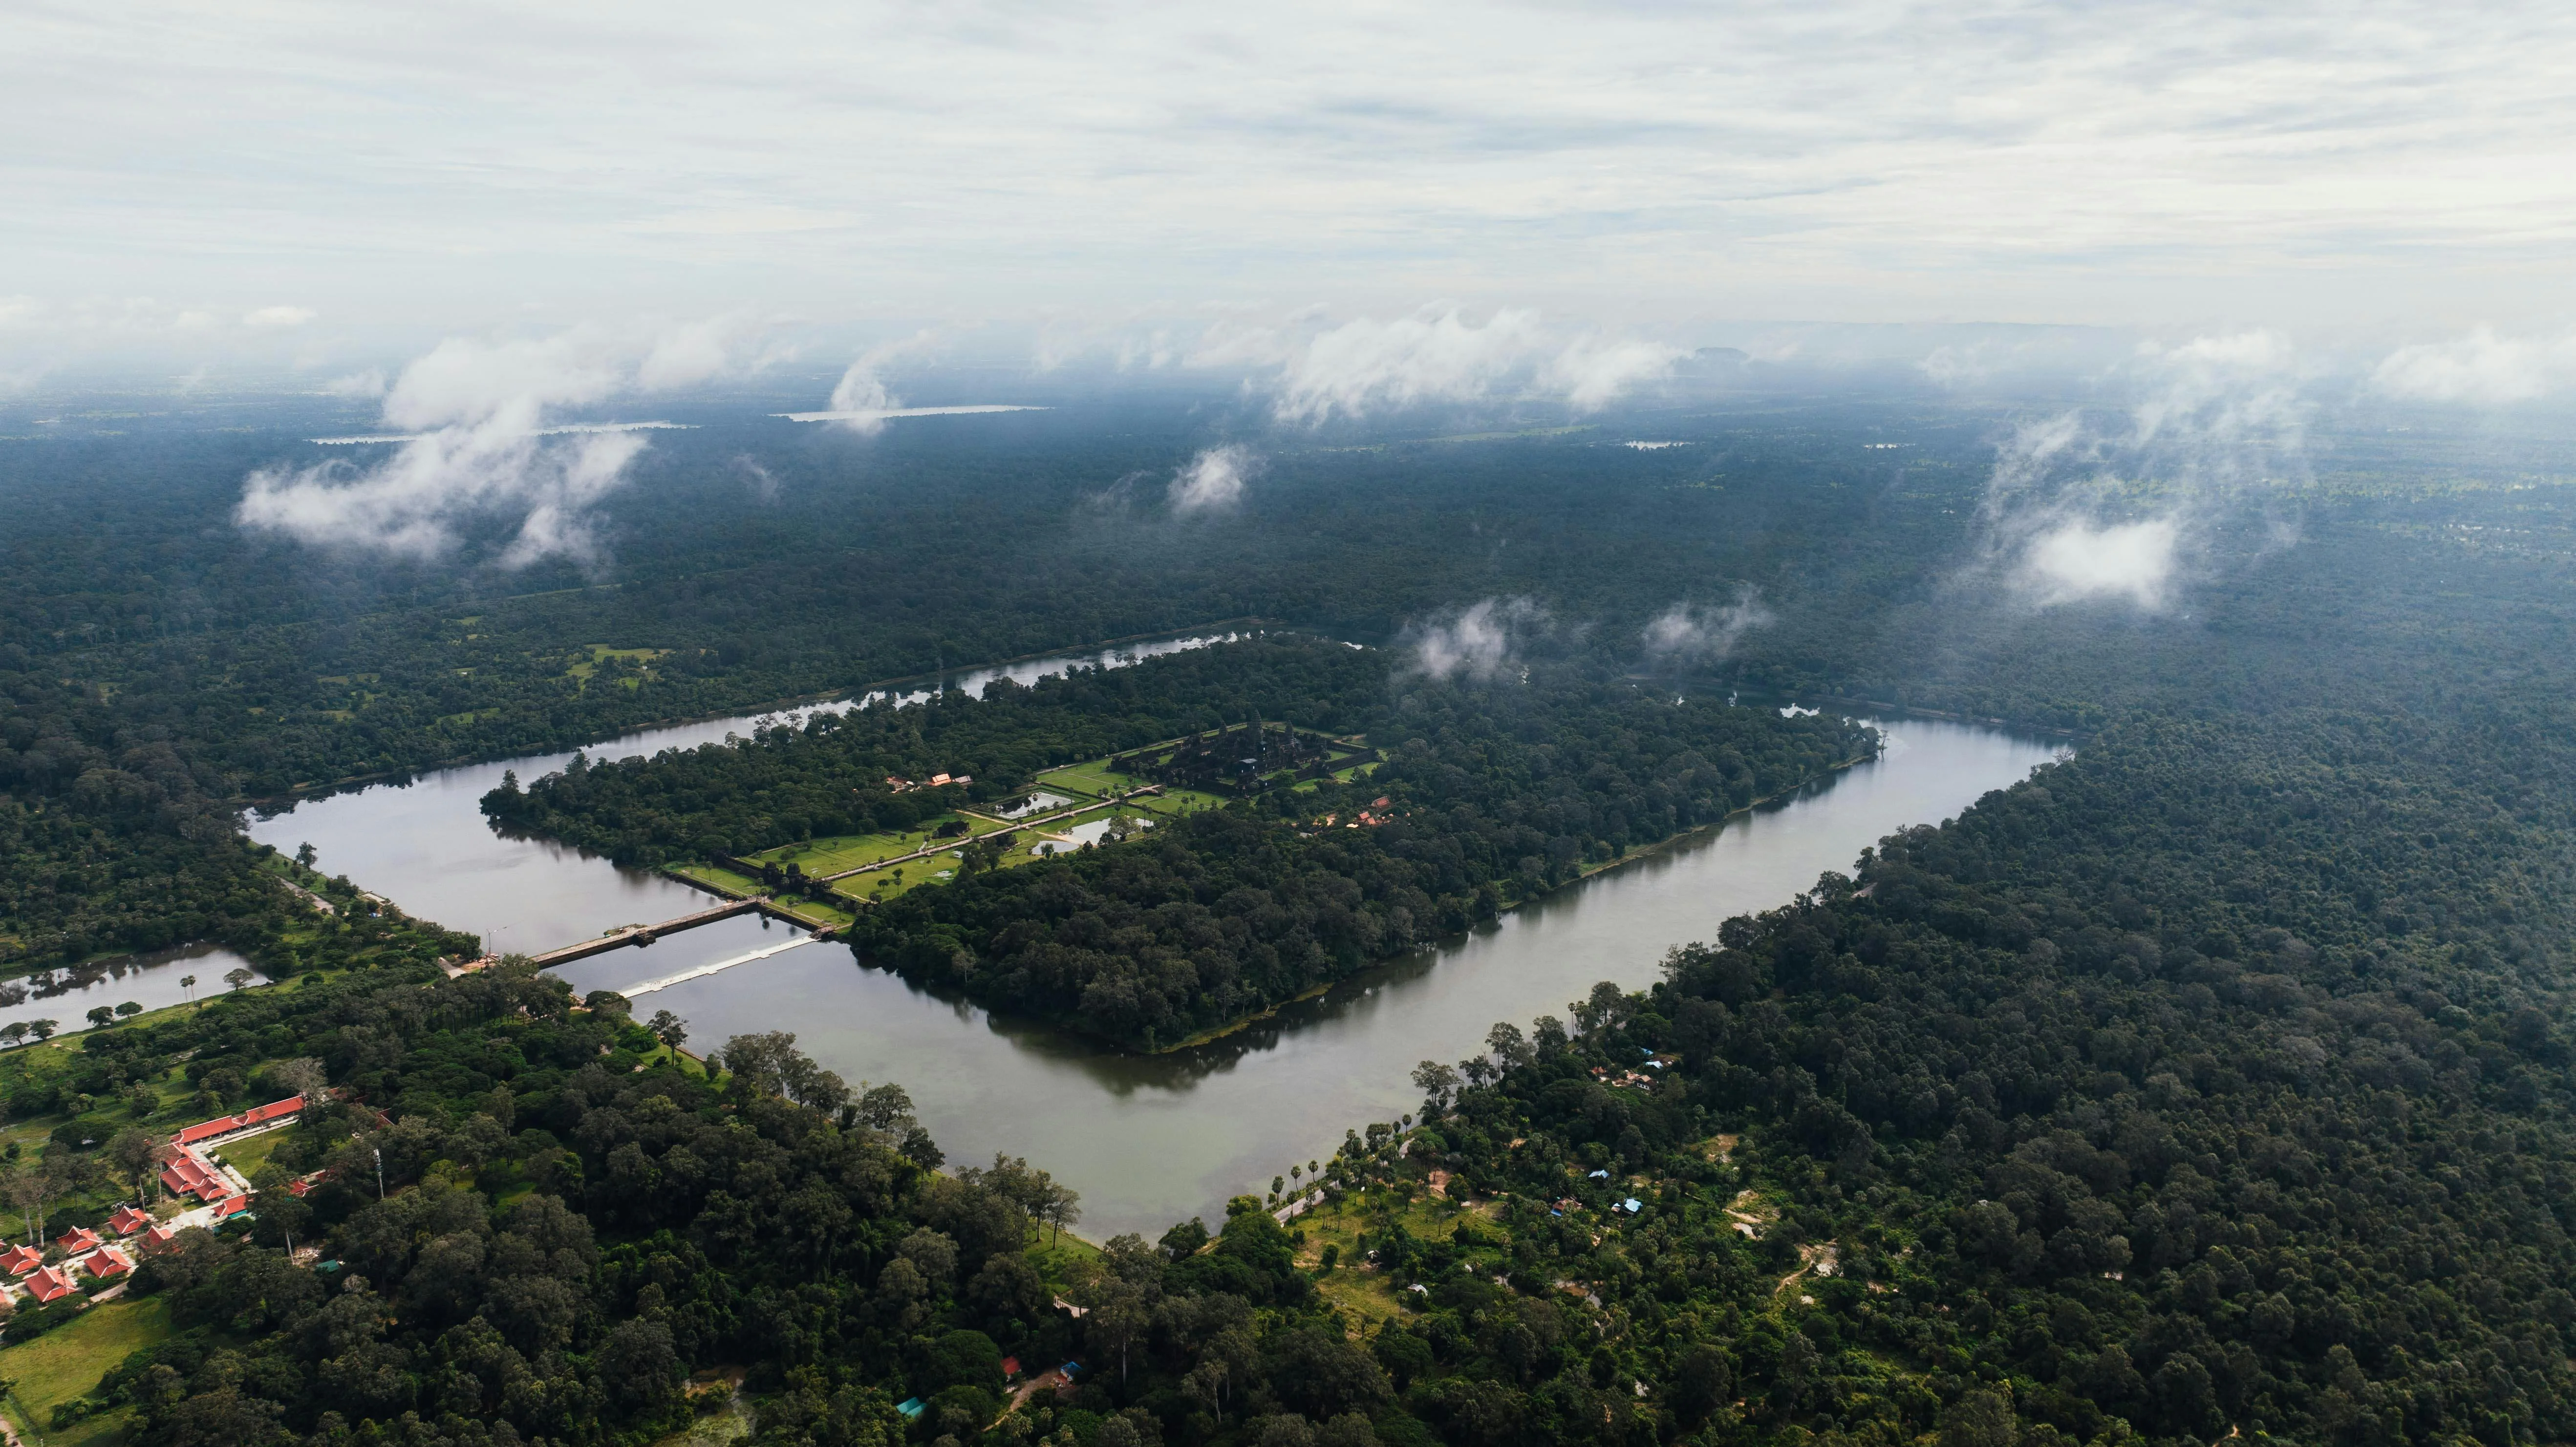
128, 1220
107, 1263
19, 1260
223, 1125
78, 1239
155, 1239
51, 1285
231, 1206
188, 1174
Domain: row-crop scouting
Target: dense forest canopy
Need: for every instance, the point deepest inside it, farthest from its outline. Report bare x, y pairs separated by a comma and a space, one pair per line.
2215, 1081
1486, 795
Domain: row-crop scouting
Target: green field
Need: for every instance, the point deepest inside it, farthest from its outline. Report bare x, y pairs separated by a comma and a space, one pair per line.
67, 1362
248, 1156
724, 880
1094, 779
856, 851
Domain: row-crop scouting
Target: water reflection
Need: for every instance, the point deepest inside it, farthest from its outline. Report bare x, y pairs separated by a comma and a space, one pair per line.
1146, 1140
1151, 1139
151, 980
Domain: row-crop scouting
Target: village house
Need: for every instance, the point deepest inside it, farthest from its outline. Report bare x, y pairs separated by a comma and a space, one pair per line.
107, 1263
19, 1260
128, 1219
77, 1240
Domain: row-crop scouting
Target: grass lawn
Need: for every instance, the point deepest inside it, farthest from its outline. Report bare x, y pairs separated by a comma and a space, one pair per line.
66, 1362
820, 916
1057, 1260
723, 879
1093, 779
1180, 801
854, 851
248, 1156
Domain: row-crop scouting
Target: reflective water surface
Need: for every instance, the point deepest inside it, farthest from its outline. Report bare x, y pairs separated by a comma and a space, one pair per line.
1146, 1140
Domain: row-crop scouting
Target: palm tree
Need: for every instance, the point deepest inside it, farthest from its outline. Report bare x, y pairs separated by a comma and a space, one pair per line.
189, 984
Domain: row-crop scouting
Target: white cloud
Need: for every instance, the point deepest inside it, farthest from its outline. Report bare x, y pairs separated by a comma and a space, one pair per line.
1433, 355
2074, 561
484, 449
278, 316
1430, 356
1695, 632
1479, 642
2481, 368
862, 390
1596, 371
413, 502
369, 383
1212, 481
1864, 159
688, 355
2083, 506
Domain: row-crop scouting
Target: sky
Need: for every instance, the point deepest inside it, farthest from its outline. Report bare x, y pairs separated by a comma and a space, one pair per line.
308, 181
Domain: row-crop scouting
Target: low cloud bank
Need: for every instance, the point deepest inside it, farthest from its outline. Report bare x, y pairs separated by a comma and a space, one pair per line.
1698, 633
2481, 369
1320, 372
1213, 481
484, 450
1480, 642
2084, 507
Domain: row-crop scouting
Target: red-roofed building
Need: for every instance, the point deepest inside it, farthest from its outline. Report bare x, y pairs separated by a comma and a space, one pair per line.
78, 1239
107, 1263
188, 1174
51, 1285
155, 1239
19, 1260
128, 1220
273, 1111
231, 1206
298, 1186
206, 1130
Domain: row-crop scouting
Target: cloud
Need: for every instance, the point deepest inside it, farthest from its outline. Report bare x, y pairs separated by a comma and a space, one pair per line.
2131, 561
862, 389
1427, 357
1480, 642
2481, 369
1433, 355
1596, 371
484, 449
763, 484
412, 504
697, 352
1213, 481
369, 383
278, 316
1692, 632
2082, 506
